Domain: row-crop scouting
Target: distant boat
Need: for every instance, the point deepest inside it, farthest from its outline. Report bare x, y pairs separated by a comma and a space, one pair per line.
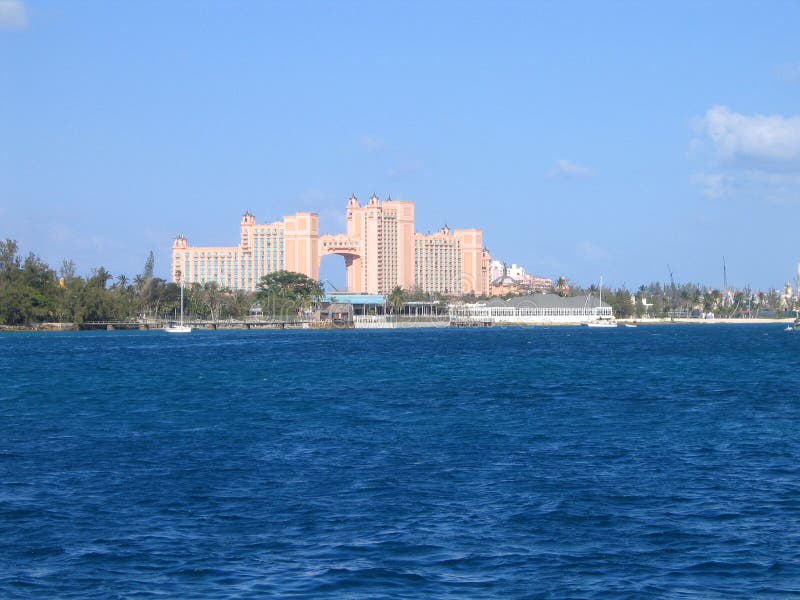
629, 325
601, 321
179, 327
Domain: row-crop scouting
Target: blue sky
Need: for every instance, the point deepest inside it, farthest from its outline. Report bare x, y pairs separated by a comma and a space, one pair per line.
584, 138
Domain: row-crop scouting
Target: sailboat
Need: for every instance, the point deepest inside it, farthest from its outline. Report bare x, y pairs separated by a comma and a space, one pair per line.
601, 321
179, 327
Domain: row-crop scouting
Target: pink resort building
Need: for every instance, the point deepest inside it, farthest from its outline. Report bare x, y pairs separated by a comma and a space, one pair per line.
451, 262
380, 249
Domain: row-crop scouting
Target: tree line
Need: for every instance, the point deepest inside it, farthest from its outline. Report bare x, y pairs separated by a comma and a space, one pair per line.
676, 300
690, 299
32, 292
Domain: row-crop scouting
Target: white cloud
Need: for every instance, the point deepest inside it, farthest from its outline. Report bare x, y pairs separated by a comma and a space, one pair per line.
591, 251
714, 185
565, 169
752, 157
371, 143
13, 14
758, 142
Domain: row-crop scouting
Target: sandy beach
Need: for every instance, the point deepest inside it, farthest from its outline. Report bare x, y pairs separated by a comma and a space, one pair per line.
720, 321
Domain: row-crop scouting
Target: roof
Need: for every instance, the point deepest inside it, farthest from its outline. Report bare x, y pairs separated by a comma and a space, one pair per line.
345, 298
339, 307
505, 280
548, 301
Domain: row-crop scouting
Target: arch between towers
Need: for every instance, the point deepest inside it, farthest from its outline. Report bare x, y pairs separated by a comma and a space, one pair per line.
348, 249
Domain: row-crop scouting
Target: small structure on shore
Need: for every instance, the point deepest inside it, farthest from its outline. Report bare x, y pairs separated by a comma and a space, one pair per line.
338, 314
533, 309
361, 304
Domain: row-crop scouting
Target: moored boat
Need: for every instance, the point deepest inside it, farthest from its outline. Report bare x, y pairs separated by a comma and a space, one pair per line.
179, 327
601, 320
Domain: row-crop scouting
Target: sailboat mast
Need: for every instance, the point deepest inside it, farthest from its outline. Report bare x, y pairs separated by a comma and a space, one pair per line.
601, 291
724, 275
181, 304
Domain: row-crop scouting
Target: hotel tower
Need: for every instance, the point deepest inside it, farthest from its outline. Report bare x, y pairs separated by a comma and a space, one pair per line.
288, 245
381, 251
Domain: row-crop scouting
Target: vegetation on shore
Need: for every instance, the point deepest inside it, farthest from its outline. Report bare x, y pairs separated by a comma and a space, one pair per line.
691, 299
285, 294
32, 292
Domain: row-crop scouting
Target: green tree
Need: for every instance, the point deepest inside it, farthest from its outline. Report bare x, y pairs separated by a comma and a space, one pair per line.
157, 295
214, 299
561, 287
95, 303
100, 277
27, 288
284, 293
13, 306
657, 308
9, 258
193, 300
621, 303
149, 265
144, 285
170, 303
397, 299
638, 307
241, 304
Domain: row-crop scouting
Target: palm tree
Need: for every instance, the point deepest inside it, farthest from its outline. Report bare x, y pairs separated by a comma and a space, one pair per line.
213, 298
287, 293
562, 289
121, 285
397, 299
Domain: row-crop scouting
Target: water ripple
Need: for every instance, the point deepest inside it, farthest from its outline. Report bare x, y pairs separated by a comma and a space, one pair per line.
517, 463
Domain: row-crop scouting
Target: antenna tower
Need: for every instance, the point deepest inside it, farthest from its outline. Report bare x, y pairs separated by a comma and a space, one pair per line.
724, 275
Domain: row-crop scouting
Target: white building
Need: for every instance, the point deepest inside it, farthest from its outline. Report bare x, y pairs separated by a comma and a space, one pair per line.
496, 270
533, 309
516, 272
499, 271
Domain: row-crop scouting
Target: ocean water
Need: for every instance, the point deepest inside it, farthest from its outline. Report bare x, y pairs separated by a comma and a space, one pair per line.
661, 461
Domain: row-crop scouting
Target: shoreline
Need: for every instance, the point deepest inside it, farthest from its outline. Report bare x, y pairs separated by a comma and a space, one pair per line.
719, 321
60, 327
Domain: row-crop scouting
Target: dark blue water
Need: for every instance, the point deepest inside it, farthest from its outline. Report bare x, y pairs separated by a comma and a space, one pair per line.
514, 463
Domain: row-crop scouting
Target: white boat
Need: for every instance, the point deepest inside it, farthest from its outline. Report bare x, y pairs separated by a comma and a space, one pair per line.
178, 327
629, 325
601, 321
